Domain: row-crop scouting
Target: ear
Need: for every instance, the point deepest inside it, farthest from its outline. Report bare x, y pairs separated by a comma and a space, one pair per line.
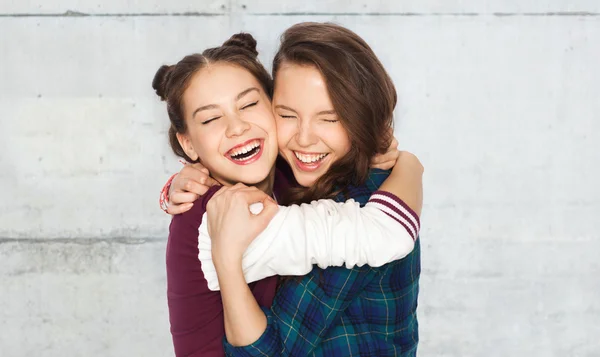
186, 144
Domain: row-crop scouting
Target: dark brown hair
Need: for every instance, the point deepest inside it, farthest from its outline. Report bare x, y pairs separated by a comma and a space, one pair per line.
170, 82
361, 91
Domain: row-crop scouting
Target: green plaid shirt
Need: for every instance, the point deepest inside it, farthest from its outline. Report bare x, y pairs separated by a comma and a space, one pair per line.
336, 311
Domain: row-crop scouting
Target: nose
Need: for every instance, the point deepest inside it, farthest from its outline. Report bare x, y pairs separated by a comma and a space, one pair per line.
236, 126
306, 136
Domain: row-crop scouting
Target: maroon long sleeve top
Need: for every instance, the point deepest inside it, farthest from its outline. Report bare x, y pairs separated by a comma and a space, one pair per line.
195, 312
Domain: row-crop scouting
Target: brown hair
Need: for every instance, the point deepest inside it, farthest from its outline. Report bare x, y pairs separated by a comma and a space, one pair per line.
170, 82
361, 91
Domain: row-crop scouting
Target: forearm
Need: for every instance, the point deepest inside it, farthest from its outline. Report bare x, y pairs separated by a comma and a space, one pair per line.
325, 233
304, 311
406, 182
245, 322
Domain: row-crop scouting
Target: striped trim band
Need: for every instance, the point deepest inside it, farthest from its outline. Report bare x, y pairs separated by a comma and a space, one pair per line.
398, 210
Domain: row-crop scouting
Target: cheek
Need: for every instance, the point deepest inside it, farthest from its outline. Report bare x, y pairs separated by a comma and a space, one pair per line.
263, 118
206, 144
340, 141
265, 121
285, 131
270, 124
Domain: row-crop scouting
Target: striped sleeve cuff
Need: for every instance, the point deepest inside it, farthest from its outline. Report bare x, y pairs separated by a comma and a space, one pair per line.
394, 207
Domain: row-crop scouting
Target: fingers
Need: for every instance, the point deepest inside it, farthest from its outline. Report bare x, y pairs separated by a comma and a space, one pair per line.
229, 190
174, 181
384, 165
385, 161
377, 159
179, 197
239, 186
192, 178
251, 195
209, 182
195, 172
270, 208
203, 176
188, 184
394, 144
197, 166
390, 156
242, 194
390, 131
264, 217
178, 209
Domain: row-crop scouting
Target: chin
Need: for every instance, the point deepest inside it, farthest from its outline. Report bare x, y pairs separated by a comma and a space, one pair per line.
305, 180
255, 178
253, 181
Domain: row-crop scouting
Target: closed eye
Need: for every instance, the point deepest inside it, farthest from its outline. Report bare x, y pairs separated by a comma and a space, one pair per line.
287, 116
250, 105
330, 120
209, 120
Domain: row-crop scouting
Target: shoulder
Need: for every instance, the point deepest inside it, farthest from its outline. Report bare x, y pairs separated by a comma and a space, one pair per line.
193, 217
361, 193
183, 231
376, 178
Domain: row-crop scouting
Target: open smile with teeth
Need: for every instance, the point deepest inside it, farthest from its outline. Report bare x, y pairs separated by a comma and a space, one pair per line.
310, 159
245, 152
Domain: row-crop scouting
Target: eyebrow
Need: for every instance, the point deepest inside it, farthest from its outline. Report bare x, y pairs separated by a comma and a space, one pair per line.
214, 106
326, 112
242, 94
206, 107
285, 107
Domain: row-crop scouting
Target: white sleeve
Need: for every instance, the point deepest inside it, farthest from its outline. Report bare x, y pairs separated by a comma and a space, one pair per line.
326, 233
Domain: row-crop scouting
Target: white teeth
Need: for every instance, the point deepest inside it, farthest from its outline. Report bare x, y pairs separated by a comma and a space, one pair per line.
308, 159
253, 145
246, 158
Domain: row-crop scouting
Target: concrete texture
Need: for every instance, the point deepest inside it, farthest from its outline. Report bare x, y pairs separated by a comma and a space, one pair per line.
501, 100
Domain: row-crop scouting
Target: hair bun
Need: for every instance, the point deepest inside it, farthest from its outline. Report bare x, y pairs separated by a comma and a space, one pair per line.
244, 40
161, 78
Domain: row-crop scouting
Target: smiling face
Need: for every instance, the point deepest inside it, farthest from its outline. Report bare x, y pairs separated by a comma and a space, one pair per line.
230, 124
310, 134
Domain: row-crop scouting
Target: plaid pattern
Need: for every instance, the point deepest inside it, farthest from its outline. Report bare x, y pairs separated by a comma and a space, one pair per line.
345, 312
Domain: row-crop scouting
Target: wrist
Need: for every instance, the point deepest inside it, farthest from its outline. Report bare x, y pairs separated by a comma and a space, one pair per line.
165, 193
226, 260
229, 274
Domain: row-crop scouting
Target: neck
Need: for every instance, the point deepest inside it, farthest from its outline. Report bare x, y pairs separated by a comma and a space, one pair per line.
267, 184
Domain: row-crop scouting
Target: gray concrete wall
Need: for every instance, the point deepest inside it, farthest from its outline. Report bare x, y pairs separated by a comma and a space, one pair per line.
500, 99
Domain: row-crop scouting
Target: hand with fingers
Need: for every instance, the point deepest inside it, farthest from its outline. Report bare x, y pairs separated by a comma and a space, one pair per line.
388, 159
232, 224
190, 183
